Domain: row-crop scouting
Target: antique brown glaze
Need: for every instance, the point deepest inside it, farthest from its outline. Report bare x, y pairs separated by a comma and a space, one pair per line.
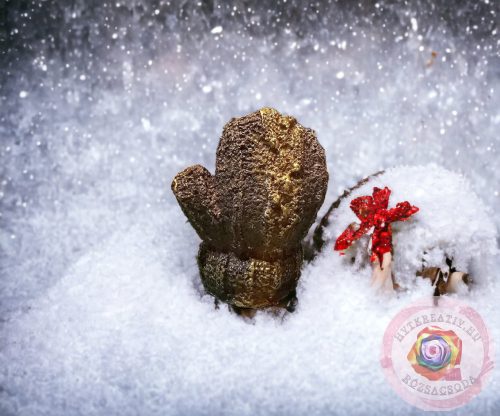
252, 215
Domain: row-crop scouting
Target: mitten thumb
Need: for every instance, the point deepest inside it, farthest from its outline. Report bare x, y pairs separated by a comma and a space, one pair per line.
194, 189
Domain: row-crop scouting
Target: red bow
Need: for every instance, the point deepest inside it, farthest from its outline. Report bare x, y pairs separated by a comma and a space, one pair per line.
373, 212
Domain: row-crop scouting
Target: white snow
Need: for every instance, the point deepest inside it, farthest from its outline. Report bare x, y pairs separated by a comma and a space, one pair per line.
414, 24
216, 30
101, 310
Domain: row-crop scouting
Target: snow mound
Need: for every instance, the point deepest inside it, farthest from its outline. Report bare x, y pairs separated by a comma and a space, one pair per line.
126, 331
452, 223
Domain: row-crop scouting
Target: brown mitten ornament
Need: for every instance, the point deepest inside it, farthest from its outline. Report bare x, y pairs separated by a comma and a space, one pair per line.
270, 180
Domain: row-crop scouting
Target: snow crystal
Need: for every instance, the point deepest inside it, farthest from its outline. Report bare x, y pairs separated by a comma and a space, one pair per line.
206, 89
146, 124
216, 30
414, 24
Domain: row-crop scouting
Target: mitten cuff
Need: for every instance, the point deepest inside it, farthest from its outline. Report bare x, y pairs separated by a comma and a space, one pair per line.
250, 282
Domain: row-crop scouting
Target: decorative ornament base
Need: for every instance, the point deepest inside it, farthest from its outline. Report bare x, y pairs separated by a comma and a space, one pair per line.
250, 282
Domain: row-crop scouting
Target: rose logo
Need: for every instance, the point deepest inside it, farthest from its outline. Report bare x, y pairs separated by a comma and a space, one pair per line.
436, 354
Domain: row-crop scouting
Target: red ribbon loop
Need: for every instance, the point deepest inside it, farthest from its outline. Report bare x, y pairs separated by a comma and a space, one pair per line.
373, 213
